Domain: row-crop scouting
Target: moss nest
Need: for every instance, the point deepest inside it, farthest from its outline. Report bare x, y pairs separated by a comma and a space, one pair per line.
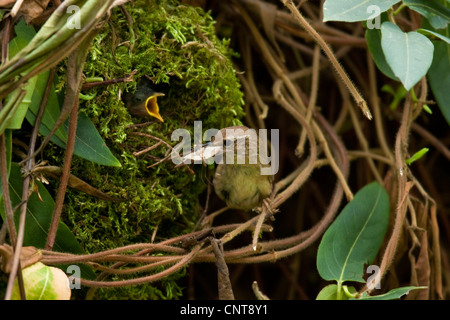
176, 47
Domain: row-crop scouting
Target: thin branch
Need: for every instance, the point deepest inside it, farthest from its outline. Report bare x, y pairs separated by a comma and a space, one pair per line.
111, 284
73, 84
360, 102
90, 85
375, 101
401, 144
359, 133
5, 188
312, 97
223, 276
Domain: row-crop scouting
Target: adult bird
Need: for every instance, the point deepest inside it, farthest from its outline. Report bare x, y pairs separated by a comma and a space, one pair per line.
239, 179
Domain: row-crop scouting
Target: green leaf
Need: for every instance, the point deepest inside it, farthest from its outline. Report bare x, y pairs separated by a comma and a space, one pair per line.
8, 147
39, 214
391, 295
416, 156
38, 218
10, 108
90, 145
355, 237
397, 95
439, 72
24, 34
437, 13
330, 293
51, 111
354, 10
373, 38
409, 55
433, 33
88, 142
439, 77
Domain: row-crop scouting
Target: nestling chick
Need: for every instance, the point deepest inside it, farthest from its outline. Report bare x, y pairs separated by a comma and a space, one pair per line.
143, 102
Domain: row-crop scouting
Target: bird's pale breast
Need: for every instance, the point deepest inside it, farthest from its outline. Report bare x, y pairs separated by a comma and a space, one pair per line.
242, 186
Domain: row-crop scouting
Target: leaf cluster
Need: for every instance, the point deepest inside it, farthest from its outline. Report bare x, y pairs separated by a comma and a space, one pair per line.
404, 56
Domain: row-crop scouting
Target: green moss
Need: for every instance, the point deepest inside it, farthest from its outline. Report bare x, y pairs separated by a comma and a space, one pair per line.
176, 47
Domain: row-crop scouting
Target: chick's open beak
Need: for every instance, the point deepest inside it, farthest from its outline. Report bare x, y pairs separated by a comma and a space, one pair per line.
151, 106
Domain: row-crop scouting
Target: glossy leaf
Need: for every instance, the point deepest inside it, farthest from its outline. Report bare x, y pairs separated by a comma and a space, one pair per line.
409, 55
88, 142
39, 215
8, 145
396, 293
90, 145
355, 237
51, 111
439, 77
8, 148
24, 34
434, 34
42, 282
354, 10
437, 13
38, 218
373, 38
330, 293
9, 109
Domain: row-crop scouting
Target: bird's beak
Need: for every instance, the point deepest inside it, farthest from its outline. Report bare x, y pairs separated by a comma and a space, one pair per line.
151, 105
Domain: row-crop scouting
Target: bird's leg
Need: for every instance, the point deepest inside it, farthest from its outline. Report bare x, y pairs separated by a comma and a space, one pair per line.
267, 205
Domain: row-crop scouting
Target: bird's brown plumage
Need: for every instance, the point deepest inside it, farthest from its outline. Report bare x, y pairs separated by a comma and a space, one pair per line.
241, 186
